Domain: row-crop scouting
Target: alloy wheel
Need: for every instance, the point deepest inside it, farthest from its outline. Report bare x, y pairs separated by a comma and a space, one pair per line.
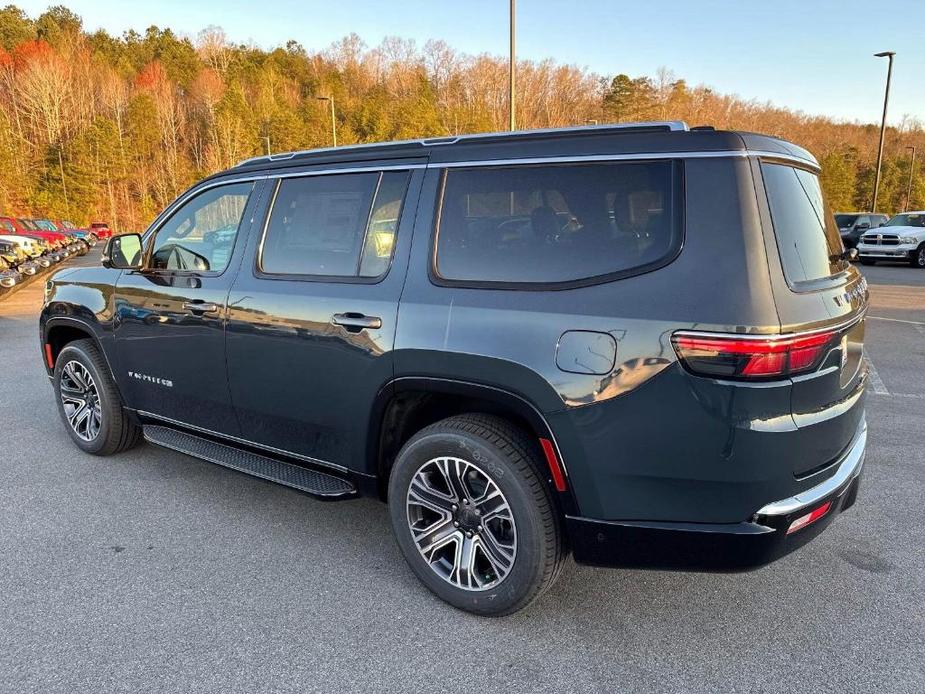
461, 523
81, 400
920, 257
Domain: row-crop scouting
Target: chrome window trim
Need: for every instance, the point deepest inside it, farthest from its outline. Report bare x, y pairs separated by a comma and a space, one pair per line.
771, 337
351, 169
634, 156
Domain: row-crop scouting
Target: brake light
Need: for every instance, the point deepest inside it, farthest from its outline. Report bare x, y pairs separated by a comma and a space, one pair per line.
809, 518
736, 356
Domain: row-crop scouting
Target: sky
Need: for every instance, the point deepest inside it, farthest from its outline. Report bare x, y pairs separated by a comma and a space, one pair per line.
811, 55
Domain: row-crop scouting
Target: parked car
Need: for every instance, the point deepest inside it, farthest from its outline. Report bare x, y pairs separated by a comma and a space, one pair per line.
78, 242
43, 259
852, 224
70, 228
13, 225
8, 276
19, 253
32, 248
901, 238
101, 229
600, 341
11, 253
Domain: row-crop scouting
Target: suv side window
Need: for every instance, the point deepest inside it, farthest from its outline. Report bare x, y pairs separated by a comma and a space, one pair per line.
807, 237
333, 225
556, 223
199, 236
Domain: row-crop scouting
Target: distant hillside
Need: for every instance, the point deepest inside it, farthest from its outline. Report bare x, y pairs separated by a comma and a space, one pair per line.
96, 126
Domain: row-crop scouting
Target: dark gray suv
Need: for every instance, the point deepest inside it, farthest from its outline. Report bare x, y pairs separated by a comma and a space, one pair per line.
638, 344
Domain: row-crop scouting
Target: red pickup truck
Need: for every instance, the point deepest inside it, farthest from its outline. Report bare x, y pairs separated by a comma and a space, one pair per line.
101, 229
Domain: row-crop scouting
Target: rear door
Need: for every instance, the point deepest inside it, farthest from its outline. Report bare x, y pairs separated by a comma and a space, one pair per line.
312, 314
815, 289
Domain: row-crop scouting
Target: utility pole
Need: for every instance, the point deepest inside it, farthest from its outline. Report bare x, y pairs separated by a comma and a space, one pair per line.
330, 100
886, 101
911, 178
513, 69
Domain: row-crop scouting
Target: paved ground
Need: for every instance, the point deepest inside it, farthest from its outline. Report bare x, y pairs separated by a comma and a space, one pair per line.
152, 571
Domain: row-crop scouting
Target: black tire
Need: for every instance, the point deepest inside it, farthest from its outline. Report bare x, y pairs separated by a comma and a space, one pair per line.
116, 432
918, 257
865, 261
511, 461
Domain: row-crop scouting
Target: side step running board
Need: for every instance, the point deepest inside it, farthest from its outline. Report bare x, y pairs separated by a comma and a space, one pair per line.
295, 476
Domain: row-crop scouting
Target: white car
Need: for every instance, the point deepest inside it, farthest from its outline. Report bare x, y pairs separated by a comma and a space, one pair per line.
902, 238
32, 248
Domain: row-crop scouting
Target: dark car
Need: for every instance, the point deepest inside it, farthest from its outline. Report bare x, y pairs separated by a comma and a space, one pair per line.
638, 344
852, 225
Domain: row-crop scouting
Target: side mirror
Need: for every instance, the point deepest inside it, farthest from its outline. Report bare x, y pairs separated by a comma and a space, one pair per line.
863, 225
123, 252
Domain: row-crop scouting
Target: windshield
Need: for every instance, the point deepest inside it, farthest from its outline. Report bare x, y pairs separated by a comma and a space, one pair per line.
846, 220
46, 225
914, 219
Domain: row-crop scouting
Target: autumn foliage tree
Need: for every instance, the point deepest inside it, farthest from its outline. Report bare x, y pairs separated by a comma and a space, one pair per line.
94, 126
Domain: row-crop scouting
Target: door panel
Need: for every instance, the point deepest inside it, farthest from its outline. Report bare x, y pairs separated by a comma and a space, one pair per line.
307, 354
170, 317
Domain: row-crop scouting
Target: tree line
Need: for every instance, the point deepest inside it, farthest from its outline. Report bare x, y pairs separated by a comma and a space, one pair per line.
94, 126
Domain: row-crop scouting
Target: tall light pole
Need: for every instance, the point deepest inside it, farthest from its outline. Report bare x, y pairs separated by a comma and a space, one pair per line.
911, 176
513, 69
330, 99
886, 101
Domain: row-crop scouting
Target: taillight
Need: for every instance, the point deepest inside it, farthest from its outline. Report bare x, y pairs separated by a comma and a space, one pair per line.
758, 357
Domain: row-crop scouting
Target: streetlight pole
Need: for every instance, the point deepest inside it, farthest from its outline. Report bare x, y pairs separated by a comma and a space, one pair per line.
911, 176
330, 99
513, 68
886, 100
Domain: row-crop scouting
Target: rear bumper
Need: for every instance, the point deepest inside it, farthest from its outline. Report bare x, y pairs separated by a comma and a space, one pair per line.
720, 546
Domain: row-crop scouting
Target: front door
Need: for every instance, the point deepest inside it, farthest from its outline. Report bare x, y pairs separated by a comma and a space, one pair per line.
312, 313
170, 316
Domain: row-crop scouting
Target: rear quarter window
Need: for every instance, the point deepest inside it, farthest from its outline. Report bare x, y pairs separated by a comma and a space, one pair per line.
556, 224
807, 237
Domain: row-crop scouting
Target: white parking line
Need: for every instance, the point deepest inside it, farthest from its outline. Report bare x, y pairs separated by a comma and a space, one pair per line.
875, 381
898, 320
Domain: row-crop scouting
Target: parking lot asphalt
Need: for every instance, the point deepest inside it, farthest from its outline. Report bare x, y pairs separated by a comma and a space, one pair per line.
153, 571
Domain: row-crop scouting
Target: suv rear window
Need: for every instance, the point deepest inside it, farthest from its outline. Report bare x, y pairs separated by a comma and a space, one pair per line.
554, 224
807, 238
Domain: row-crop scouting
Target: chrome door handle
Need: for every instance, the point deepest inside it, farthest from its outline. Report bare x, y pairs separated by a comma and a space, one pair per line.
200, 306
355, 322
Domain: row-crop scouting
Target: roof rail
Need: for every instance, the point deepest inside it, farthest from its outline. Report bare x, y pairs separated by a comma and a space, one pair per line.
666, 126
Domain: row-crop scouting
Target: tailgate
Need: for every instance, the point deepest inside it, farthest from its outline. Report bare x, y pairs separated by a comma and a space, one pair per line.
817, 291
